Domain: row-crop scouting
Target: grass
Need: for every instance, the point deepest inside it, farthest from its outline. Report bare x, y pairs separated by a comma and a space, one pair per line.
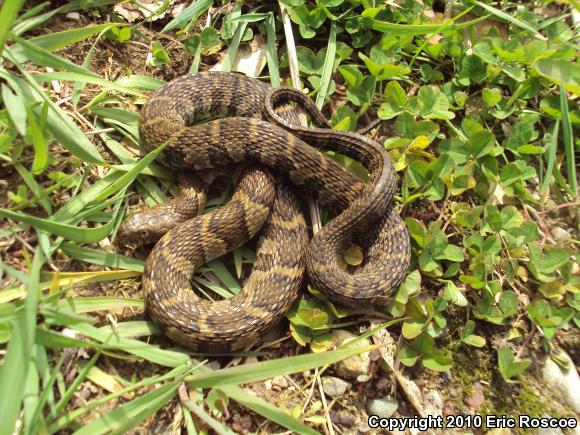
483, 134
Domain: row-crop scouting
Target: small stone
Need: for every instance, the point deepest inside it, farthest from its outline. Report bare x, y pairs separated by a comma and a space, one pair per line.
268, 384
565, 382
334, 387
356, 365
560, 234
432, 403
363, 378
476, 398
241, 424
384, 408
446, 376
343, 418
280, 381
73, 16
382, 384
449, 408
251, 360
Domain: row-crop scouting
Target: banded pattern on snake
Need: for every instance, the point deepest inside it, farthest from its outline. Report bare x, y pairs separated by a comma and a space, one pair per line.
260, 127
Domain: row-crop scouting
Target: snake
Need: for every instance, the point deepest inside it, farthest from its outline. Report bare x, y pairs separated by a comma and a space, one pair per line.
210, 121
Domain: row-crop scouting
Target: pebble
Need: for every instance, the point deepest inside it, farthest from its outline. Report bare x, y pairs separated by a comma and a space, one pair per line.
432, 403
280, 381
384, 408
382, 384
241, 424
343, 418
73, 16
334, 387
560, 234
476, 398
356, 365
564, 382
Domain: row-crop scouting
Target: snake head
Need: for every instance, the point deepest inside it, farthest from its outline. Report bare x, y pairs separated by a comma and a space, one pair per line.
139, 229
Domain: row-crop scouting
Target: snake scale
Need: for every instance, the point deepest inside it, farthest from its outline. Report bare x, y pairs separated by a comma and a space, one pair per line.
258, 126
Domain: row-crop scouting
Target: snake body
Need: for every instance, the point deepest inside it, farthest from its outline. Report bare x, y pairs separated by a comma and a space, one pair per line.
260, 127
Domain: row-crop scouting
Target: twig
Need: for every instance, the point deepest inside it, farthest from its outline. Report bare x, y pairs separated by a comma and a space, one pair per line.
525, 343
324, 404
557, 207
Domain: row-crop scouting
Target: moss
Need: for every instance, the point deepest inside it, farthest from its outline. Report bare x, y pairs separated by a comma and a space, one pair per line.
478, 365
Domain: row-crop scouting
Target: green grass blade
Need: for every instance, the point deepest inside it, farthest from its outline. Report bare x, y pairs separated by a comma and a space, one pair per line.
140, 82
568, 141
103, 303
268, 369
64, 129
128, 177
40, 145
102, 258
551, 156
137, 328
211, 422
82, 77
510, 19
8, 14
31, 396
271, 54
70, 232
68, 395
15, 365
39, 194
32, 12
69, 212
16, 107
31, 17
192, 12
167, 358
234, 45
327, 68
45, 393
420, 29
57, 40
42, 57
224, 275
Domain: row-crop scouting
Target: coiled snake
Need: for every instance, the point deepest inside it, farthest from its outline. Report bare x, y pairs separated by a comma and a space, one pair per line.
261, 128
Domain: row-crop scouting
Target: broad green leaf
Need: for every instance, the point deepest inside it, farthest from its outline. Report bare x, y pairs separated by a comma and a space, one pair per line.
508, 367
